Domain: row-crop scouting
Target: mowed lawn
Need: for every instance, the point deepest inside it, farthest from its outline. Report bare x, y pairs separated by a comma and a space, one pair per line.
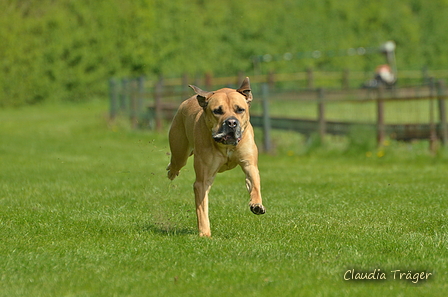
86, 210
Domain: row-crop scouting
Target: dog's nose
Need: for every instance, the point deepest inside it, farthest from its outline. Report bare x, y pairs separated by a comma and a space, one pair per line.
232, 123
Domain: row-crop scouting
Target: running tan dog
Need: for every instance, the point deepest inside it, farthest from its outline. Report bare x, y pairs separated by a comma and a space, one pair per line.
215, 127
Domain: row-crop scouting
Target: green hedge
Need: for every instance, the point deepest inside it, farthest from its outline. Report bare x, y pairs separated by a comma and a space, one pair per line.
67, 49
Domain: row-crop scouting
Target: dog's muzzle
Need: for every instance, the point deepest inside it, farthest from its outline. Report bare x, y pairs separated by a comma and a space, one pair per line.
229, 133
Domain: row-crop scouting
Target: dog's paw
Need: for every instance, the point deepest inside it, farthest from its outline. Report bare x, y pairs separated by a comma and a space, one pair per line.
257, 209
205, 234
171, 174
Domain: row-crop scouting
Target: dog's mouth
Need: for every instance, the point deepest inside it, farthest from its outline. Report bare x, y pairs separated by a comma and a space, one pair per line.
230, 138
229, 132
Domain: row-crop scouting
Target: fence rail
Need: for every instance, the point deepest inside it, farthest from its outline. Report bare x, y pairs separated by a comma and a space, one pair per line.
305, 110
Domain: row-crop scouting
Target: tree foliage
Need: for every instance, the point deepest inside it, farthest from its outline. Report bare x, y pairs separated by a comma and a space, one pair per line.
67, 49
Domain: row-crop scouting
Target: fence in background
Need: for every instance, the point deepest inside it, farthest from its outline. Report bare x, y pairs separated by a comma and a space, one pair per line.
291, 102
405, 114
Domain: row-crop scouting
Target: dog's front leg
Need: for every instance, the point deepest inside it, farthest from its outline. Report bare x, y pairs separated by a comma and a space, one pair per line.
254, 188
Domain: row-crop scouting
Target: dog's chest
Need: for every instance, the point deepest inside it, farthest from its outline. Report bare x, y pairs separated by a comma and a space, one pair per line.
229, 153
229, 162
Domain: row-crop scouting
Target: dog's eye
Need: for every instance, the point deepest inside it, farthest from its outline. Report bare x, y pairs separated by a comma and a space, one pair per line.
218, 111
240, 109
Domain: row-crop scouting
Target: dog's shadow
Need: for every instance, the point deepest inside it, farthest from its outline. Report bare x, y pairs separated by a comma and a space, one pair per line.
167, 229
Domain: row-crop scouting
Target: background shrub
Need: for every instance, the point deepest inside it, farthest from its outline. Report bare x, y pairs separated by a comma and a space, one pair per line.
66, 50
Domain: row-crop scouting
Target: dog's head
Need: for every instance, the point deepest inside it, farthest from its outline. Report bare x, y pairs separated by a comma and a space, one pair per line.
226, 112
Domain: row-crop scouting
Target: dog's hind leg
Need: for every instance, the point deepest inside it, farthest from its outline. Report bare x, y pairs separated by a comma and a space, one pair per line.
179, 146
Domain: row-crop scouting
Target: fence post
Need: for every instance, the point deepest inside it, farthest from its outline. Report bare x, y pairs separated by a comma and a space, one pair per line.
185, 88
240, 78
321, 113
271, 80
113, 99
208, 81
266, 118
432, 125
442, 112
133, 103
141, 95
158, 102
380, 128
124, 94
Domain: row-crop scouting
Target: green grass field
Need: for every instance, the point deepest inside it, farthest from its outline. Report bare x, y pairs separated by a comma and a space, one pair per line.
86, 210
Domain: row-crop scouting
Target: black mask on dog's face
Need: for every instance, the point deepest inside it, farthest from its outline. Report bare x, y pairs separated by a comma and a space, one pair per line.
230, 132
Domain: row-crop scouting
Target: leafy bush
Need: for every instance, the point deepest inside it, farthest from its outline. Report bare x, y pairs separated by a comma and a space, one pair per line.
66, 50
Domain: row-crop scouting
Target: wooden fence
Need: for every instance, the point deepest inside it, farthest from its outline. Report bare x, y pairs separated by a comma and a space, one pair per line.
435, 128
150, 104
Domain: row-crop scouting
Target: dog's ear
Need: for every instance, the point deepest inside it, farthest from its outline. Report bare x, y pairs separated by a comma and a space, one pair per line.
202, 96
246, 91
